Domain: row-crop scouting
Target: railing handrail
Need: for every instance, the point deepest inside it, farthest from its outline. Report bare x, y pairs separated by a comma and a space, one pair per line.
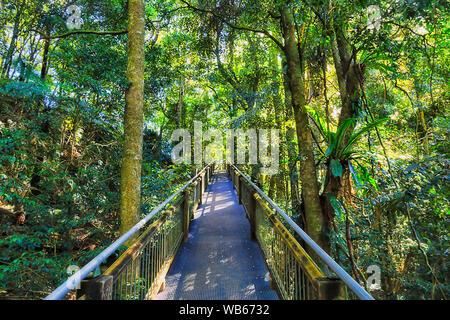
354, 286
76, 278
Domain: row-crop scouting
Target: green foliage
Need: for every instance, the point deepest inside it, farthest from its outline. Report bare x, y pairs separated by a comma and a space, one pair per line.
336, 168
57, 179
338, 151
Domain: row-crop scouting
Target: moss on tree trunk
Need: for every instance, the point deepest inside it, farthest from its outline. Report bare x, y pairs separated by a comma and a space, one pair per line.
130, 190
316, 225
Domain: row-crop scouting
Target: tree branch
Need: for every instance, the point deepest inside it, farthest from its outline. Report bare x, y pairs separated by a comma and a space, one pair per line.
231, 25
70, 33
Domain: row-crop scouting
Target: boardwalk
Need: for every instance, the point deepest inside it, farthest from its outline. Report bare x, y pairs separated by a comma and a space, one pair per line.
219, 261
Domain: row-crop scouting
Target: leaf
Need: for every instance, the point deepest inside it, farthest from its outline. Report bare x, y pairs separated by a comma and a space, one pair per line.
411, 167
340, 132
383, 67
336, 168
354, 175
319, 120
336, 206
357, 135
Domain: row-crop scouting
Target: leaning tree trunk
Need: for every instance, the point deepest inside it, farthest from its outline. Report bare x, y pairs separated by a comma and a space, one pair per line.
130, 188
316, 223
8, 58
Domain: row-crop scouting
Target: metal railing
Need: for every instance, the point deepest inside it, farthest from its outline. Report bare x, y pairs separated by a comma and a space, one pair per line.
293, 271
140, 271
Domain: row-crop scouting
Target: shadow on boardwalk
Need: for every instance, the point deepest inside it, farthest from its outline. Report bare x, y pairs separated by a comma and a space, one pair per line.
219, 261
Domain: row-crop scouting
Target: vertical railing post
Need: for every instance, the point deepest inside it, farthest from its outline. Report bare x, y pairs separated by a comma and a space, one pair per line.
205, 182
186, 215
200, 189
232, 177
236, 183
330, 289
239, 183
99, 288
252, 214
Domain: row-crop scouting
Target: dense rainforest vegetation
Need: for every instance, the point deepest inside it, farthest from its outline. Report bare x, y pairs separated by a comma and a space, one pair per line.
90, 92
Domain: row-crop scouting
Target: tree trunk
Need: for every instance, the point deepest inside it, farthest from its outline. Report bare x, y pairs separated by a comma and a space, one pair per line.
130, 189
278, 106
180, 103
316, 223
291, 151
349, 75
271, 180
44, 67
8, 59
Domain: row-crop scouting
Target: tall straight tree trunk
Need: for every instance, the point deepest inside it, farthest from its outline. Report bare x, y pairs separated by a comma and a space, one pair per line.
291, 150
130, 188
316, 223
278, 106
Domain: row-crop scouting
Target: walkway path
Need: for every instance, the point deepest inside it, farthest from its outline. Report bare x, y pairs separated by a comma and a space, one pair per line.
219, 261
